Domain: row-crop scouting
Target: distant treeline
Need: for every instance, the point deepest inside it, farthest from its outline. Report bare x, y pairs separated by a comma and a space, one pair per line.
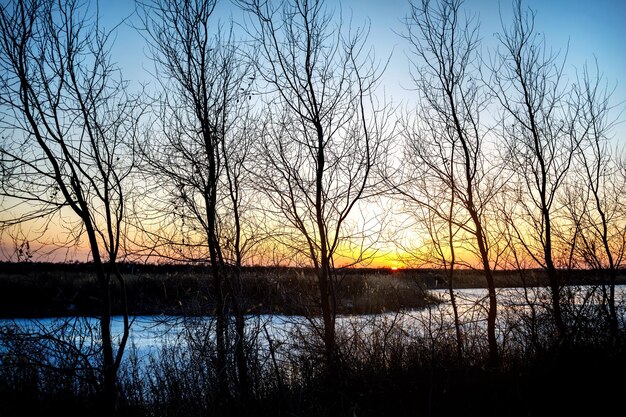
55, 289
59, 289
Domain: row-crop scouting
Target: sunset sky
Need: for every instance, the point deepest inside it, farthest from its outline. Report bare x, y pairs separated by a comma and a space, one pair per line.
594, 30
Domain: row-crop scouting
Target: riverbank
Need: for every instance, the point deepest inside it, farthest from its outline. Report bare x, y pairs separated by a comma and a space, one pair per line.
403, 364
54, 289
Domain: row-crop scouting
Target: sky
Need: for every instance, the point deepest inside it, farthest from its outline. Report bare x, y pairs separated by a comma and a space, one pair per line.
593, 30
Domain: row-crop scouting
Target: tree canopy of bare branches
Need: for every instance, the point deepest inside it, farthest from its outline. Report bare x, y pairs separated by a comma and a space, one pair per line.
323, 132
448, 169
539, 128
67, 122
199, 154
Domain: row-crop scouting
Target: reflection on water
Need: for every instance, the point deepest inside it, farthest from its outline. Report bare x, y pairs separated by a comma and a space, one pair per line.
150, 334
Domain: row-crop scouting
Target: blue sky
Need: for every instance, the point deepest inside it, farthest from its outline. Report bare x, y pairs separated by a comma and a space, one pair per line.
594, 29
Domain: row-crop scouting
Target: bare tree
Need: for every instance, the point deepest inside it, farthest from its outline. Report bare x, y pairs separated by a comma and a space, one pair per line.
440, 236
67, 122
538, 126
446, 146
600, 216
323, 134
199, 157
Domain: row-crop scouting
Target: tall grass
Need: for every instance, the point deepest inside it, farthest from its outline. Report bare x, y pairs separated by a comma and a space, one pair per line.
400, 363
48, 290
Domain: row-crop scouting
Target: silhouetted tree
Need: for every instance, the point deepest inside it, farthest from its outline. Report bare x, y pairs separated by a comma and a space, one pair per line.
440, 236
323, 133
538, 127
598, 188
67, 121
197, 157
446, 145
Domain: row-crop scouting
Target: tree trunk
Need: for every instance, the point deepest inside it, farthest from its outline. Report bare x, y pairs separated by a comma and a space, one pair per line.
555, 287
328, 315
109, 370
491, 290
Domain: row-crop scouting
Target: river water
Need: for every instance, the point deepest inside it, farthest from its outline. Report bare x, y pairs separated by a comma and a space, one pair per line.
150, 334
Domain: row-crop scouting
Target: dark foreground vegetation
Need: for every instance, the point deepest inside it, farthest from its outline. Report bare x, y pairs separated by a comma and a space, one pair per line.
386, 367
402, 363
